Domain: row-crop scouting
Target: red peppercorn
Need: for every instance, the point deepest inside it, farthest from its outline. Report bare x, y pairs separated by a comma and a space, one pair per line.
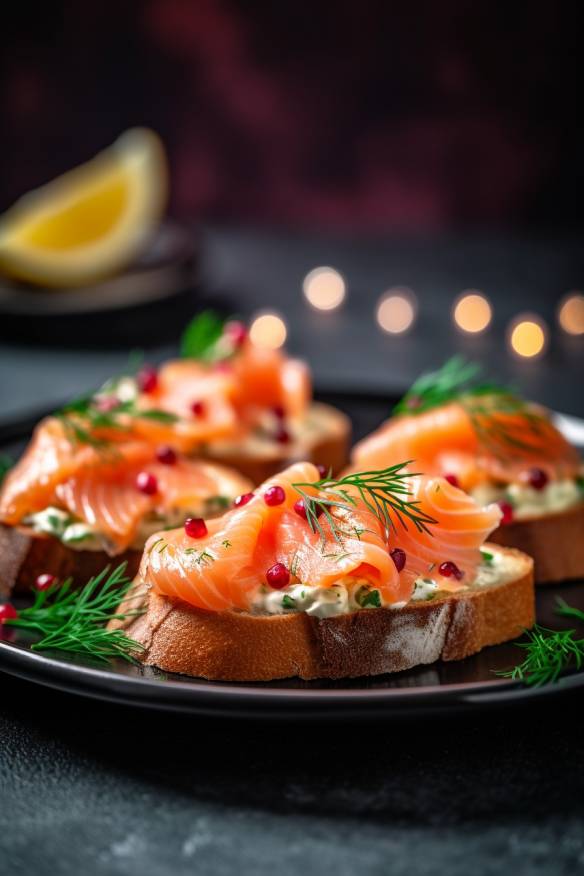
279, 412
537, 478
282, 436
7, 612
195, 527
450, 570
147, 379
147, 483
452, 479
43, 582
278, 576
507, 511
198, 408
242, 500
322, 470
236, 332
166, 455
399, 558
274, 495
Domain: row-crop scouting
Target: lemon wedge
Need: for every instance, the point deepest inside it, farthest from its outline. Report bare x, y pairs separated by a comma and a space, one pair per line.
91, 221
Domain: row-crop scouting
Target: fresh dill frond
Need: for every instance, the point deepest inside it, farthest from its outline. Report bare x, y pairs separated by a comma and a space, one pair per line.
548, 654
385, 493
74, 620
439, 387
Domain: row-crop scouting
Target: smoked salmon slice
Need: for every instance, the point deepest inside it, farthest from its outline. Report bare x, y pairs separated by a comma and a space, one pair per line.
473, 441
225, 568
99, 485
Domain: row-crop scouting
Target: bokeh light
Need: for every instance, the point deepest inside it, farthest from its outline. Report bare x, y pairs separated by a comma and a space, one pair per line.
527, 336
396, 310
571, 313
472, 312
268, 330
324, 288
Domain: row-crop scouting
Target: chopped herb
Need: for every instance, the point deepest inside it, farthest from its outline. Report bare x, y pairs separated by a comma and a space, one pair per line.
367, 598
226, 544
487, 557
288, 602
204, 558
216, 504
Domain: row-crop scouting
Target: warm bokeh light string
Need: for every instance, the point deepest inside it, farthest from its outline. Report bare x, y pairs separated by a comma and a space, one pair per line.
472, 312
268, 330
396, 310
571, 313
527, 335
324, 288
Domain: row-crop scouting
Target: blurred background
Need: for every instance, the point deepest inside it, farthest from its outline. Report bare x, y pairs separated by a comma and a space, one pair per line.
423, 150
341, 115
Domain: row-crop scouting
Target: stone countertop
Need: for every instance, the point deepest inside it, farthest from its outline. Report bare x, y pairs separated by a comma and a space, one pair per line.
93, 788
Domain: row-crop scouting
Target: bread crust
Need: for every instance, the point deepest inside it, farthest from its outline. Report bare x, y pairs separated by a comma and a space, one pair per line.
235, 646
327, 444
555, 541
24, 556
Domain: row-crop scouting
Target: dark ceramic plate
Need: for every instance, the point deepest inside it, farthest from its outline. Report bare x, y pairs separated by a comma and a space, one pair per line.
441, 687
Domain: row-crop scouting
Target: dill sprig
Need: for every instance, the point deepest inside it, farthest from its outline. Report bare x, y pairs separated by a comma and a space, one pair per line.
75, 620
549, 653
487, 404
84, 418
385, 493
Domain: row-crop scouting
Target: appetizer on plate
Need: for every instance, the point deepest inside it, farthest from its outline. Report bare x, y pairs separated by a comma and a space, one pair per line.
76, 498
320, 578
237, 403
499, 448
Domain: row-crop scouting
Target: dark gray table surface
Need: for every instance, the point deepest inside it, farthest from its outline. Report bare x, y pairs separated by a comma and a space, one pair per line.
92, 788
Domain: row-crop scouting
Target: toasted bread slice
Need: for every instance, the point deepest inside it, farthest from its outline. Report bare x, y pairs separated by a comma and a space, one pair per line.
555, 541
237, 646
324, 440
24, 556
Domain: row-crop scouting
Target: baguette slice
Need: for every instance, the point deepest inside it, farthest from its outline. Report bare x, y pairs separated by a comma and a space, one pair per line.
236, 646
325, 441
24, 556
555, 541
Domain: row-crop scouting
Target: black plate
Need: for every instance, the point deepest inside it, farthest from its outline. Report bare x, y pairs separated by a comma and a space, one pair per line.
464, 684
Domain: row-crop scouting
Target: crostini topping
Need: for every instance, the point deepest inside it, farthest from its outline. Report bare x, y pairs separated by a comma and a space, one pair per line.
452, 479
7, 612
537, 478
198, 408
507, 511
450, 570
399, 558
236, 332
166, 455
147, 483
282, 435
242, 500
147, 379
278, 576
44, 581
195, 527
274, 495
